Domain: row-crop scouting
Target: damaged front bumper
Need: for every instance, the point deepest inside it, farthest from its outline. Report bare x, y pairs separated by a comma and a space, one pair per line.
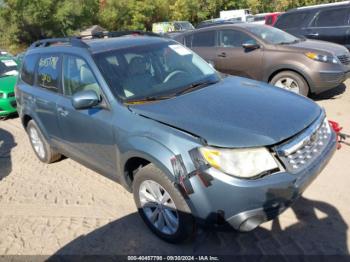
217, 198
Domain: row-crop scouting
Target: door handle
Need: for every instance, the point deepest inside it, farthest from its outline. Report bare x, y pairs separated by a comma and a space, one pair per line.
223, 54
62, 111
313, 34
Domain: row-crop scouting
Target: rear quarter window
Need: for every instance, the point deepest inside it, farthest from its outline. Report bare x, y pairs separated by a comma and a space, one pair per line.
292, 20
28, 68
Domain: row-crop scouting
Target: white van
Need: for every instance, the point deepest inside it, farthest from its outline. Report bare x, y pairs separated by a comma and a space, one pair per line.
244, 15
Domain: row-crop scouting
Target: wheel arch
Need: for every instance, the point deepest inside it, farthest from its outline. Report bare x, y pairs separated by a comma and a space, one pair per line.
146, 152
294, 69
25, 120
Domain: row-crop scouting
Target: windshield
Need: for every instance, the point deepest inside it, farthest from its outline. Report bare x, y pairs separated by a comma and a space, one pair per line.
155, 70
8, 67
273, 35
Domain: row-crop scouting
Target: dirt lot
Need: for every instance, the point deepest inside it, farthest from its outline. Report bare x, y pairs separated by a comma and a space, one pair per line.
65, 208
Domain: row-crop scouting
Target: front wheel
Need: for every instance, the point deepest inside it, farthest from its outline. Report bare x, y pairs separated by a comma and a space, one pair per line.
162, 206
291, 81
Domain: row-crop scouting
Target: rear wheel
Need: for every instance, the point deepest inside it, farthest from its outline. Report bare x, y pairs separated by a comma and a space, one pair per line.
162, 206
39, 144
291, 81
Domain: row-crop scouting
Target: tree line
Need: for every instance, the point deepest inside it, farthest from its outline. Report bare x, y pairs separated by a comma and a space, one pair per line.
25, 21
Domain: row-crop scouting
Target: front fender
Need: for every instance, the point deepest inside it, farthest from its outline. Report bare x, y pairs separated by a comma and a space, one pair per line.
150, 150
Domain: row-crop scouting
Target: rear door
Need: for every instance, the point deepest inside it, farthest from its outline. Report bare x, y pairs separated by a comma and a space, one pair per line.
44, 93
231, 58
203, 43
87, 134
331, 25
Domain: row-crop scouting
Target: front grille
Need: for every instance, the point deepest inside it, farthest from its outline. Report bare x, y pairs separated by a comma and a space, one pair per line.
344, 59
299, 152
11, 94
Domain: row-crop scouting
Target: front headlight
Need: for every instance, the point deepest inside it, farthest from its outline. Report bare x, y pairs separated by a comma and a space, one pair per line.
243, 163
322, 58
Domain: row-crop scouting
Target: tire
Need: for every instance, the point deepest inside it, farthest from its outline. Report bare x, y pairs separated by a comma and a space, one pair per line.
299, 80
46, 154
185, 229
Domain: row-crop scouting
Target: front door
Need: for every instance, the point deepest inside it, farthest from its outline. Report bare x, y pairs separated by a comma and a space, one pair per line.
88, 133
231, 58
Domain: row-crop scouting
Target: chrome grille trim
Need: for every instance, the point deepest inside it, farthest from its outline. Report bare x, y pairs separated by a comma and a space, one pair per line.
292, 145
302, 150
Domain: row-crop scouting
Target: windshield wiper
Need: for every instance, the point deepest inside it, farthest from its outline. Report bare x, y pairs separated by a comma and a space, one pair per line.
146, 99
289, 43
195, 86
184, 91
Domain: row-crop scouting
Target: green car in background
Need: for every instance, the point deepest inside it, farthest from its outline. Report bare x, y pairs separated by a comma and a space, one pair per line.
8, 79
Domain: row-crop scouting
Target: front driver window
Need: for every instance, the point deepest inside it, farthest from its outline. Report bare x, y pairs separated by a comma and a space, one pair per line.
77, 76
233, 38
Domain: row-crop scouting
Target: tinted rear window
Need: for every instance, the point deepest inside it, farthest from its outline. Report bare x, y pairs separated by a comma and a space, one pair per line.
333, 17
291, 20
28, 68
203, 39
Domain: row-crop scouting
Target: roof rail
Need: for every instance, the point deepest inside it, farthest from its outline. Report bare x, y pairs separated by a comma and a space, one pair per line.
119, 34
322, 5
78, 42
74, 41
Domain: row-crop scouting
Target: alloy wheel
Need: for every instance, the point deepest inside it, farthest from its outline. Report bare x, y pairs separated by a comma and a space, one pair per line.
37, 143
159, 207
288, 84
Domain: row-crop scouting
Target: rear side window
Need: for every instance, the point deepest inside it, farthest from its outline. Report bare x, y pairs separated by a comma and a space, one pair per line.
48, 72
333, 17
28, 69
234, 38
291, 20
204, 39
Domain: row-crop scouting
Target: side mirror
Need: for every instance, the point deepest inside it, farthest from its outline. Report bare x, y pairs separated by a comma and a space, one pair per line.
250, 45
85, 99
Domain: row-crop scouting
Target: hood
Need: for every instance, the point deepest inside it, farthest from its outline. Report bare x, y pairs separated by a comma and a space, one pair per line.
7, 83
317, 46
236, 112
